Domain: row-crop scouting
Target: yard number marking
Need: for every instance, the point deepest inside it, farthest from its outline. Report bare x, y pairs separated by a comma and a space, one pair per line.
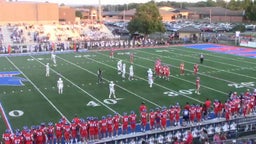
180, 92
242, 84
106, 101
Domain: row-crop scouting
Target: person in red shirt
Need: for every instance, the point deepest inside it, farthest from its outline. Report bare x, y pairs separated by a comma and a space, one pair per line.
190, 138
208, 104
163, 118
17, 138
91, 129
39, 135
197, 86
192, 114
83, 130
143, 116
7, 137
167, 72
132, 119
143, 107
74, 129
125, 121
171, 115
110, 125
199, 111
103, 127
28, 137
50, 132
182, 68
58, 131
96, 128
116, 120
196, 69
216, 108
177, 114
187, 106
152, 116
67, 132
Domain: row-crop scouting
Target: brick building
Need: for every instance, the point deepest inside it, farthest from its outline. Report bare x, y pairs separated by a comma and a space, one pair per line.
28, 12
215, 14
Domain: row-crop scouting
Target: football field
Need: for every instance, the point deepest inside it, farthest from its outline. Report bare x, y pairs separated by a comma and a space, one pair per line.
28, 97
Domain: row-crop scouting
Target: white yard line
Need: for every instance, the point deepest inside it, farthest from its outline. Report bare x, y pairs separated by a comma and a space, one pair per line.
147, 80
44, 96
78, 87
231, 82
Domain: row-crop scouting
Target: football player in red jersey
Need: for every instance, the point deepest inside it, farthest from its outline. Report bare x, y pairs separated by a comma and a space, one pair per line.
143, 107
143, 116
67, 132
7, 137
152, 116
103, 127
192, 114
125, 121
116, 120
96, 128
83, 130
132, 118
91, 129
58, 131
39, 135
50, 132
199, 111
196, 69
177, 114
163, 118
171, 115
110, 124
74, 128
216, 108
28, 137
197, 86
182, 68
17, 138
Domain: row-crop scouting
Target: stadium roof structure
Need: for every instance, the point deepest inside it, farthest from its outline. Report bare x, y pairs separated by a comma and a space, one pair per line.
189, 29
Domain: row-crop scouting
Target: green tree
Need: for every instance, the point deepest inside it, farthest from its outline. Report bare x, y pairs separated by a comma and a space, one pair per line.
146, 20
79, 14
221, 3
250, 11
210, 3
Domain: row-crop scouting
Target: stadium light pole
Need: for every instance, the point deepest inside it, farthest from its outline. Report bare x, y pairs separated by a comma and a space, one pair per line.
100, 12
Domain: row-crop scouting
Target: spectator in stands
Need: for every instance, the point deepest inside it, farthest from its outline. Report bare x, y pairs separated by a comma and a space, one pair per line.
216, 138
189, 139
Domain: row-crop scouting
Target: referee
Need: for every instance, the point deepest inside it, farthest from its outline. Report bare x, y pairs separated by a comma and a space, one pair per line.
99, 72
201, 58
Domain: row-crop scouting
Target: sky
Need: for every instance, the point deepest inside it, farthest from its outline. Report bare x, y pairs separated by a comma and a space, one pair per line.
103, 2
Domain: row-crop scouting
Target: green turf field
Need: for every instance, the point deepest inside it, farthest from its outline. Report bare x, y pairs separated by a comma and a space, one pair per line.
38, 101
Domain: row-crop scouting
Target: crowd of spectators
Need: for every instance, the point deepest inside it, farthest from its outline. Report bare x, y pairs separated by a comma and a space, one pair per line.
160, 119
